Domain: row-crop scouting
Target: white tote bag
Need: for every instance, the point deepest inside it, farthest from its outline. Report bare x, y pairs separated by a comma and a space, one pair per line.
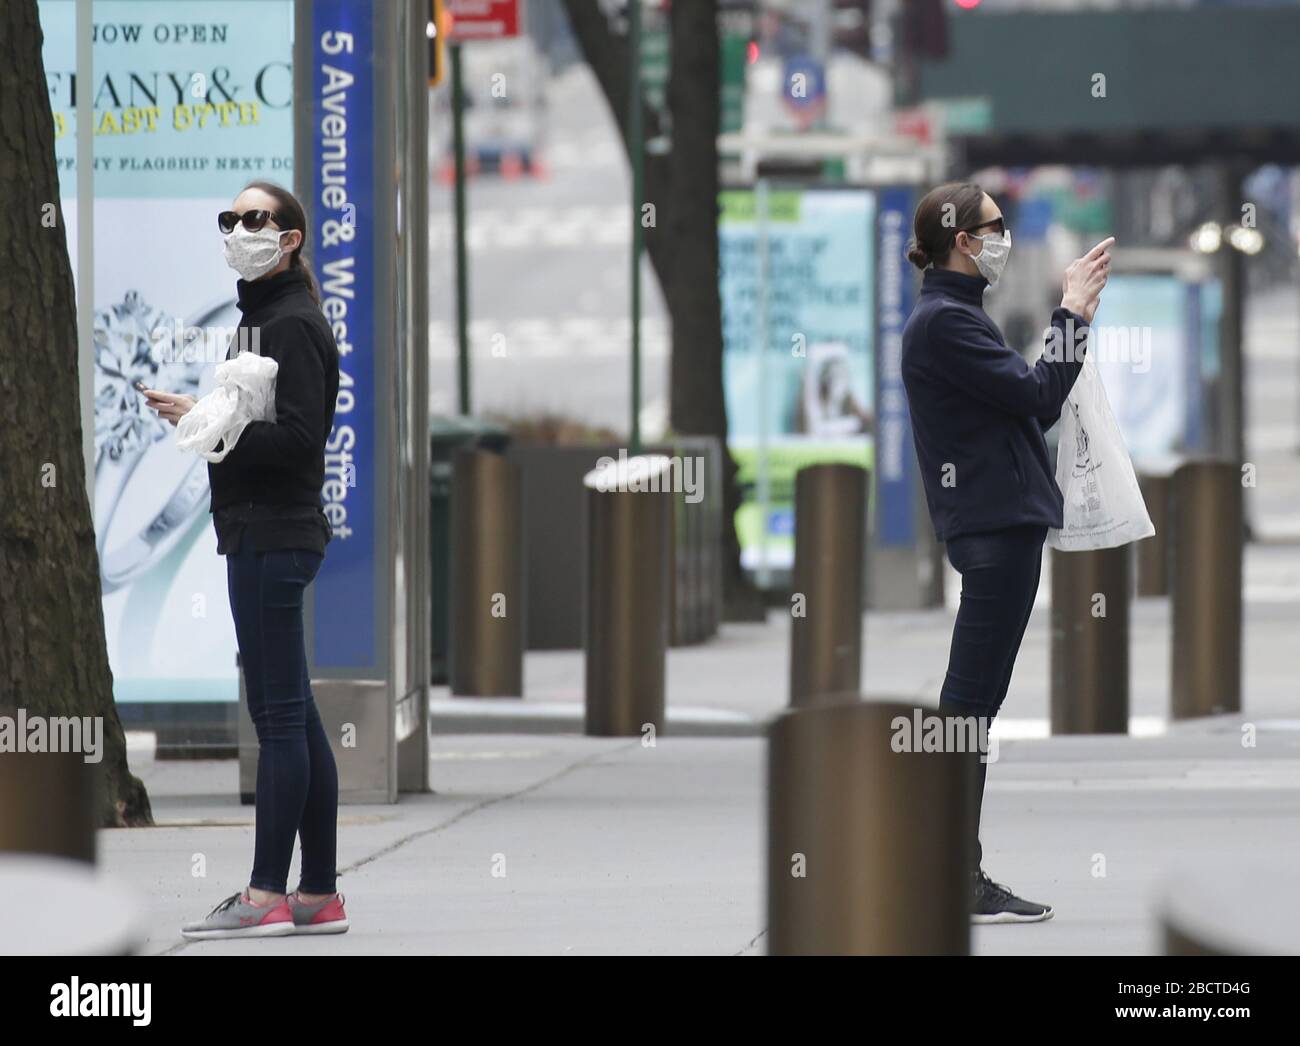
1103, 503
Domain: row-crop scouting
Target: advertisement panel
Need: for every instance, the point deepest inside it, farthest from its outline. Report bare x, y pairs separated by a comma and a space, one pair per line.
191, 101
1142, 342
798, 302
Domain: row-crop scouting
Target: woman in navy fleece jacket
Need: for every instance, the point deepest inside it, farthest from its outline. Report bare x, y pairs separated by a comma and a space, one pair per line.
979, 412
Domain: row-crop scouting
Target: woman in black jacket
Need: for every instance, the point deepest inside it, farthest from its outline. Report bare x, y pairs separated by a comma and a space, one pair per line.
979, 413
266, 509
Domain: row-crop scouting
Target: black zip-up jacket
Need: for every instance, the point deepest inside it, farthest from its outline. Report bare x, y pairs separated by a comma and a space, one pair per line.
979, 411
268, 488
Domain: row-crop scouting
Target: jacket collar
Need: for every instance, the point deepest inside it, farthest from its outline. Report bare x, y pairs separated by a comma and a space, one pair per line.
955, 284
255, 294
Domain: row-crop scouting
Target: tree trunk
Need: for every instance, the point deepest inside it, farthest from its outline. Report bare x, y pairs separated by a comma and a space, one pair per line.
683, 243
53, 656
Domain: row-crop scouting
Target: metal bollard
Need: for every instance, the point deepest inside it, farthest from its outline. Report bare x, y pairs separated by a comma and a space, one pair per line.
629, 541
869, 848
1090, 641
1206, 531
1179, 941
48, 804
830, 535
1153, 552
67, 908
682, 582
1231, 905
487, 606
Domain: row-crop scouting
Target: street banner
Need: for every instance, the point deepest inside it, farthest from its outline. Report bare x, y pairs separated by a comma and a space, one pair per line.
895, 478
345, 627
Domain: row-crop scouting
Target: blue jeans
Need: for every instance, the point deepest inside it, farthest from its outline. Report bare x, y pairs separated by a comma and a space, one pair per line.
999, 571
297, 780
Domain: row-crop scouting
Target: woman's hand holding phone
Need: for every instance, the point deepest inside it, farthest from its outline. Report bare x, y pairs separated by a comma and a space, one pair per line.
1084, 279
169, 405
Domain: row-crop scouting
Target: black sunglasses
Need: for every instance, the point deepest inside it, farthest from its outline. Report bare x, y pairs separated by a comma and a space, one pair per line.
250, 220
999, 223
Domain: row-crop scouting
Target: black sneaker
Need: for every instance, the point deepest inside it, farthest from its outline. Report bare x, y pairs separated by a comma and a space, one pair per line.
994, 903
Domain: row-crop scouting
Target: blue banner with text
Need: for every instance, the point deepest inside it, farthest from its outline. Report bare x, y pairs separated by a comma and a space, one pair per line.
344, 622
895, 463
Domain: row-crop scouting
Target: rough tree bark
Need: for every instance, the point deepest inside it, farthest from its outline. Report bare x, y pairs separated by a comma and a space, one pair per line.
53, 656
683, 243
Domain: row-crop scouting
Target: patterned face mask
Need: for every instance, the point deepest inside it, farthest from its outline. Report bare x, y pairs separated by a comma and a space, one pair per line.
253, 254
993, 258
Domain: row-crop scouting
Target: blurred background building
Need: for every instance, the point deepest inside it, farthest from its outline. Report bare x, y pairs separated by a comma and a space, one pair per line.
1157, 122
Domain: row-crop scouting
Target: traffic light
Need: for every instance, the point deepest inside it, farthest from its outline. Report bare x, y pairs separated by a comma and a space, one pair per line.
436, 31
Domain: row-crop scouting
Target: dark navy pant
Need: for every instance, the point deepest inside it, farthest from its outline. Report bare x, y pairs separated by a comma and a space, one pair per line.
297, 781
999, 578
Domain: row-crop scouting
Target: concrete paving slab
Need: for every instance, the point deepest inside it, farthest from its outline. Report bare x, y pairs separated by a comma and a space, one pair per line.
559, 844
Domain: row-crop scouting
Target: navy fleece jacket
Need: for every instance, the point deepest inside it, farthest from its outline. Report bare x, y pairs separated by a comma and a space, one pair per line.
979, 411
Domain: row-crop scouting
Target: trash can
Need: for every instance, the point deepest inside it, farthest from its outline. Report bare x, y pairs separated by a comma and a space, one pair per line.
446, 436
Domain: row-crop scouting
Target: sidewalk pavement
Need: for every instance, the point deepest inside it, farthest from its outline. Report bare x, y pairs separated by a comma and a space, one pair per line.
609, 847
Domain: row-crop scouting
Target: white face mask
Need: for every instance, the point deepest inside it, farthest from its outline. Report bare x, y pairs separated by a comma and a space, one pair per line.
993, 258
253, 254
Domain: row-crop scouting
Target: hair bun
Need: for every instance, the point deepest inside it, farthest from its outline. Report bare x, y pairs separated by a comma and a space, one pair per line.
918, 257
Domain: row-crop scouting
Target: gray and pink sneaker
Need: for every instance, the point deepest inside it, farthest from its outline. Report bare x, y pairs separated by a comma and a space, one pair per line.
325, 916
237, 916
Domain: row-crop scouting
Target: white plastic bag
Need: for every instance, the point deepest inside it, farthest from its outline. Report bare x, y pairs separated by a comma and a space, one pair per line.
245, 392
1103, 503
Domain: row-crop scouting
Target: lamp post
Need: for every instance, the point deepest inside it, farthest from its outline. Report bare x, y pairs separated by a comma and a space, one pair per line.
636, 152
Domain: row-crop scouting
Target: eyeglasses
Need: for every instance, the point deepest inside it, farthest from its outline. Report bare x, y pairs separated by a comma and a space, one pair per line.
1000, 226
250, 220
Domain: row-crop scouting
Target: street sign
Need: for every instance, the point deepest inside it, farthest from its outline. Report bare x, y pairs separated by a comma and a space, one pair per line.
914, 123
656, 61
735, 58
805, 89
967, 115
483, 19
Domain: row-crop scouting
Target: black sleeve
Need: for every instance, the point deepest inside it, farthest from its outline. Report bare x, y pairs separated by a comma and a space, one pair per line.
293, 439
967, 355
